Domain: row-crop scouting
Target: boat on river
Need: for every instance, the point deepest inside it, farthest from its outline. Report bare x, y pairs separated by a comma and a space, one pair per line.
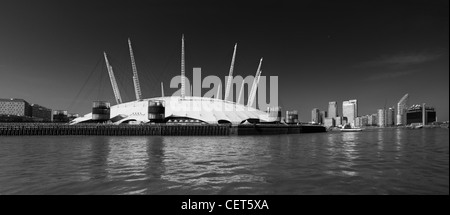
349, 128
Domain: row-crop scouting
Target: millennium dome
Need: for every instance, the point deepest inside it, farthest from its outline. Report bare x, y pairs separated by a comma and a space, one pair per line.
176, 109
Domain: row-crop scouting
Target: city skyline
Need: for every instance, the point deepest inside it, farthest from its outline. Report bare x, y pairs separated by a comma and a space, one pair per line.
367, 51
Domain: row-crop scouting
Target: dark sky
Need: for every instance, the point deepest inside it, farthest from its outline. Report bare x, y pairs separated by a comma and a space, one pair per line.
373, 51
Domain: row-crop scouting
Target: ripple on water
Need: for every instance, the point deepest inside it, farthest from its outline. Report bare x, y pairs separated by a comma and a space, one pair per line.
389, 161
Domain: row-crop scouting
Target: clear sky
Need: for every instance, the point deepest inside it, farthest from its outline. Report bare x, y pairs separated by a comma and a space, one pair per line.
374, 51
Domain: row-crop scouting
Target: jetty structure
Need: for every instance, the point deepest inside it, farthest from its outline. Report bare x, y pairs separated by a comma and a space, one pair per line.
177, 109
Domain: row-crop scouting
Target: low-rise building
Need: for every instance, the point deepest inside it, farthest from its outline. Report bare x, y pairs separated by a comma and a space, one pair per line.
73, 116
345, 120
41, 113
329, 122
291, 117
337, 120
372, 120
358, 122
420, 114
365, 120
15, 107
60, 116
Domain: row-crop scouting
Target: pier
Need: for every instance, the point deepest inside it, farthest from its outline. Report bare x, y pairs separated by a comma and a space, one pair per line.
40, 129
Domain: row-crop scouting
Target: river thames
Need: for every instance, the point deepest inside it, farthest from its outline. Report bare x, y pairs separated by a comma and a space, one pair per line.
375, 161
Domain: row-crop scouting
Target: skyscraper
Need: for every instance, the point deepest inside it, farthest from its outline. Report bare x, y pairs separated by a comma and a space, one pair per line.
372, 120
350, 110
402, 107
390, 116
381, 117
332, 109
354, 101
323, 115
315, 115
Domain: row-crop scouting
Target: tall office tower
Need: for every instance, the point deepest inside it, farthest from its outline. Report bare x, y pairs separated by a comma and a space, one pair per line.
322, 116
332, 109
370, 120
350, 110
402, 107
315, 115
390, 116
354, 101
381, 117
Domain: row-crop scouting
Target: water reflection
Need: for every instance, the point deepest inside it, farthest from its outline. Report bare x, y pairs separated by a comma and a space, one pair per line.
313, 149
127, 158
350, 141
398, 144
375, 161
333, 151
380, 140
214, 162
342, 151
98, 162
155, 167
349, 151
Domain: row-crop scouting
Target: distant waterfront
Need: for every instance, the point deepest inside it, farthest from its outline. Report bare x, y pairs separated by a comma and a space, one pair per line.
375, 161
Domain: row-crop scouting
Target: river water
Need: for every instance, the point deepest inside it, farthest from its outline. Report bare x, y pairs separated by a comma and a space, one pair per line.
375, 161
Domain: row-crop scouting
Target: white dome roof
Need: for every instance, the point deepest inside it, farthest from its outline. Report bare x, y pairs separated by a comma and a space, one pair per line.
198, 108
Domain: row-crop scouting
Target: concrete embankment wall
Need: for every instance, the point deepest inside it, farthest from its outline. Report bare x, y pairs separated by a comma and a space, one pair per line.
19, 129
276, 129
116, 130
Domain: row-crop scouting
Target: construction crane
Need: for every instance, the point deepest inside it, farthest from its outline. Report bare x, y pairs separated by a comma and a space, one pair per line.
255, 85
230, 75
137, 87
113, 81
